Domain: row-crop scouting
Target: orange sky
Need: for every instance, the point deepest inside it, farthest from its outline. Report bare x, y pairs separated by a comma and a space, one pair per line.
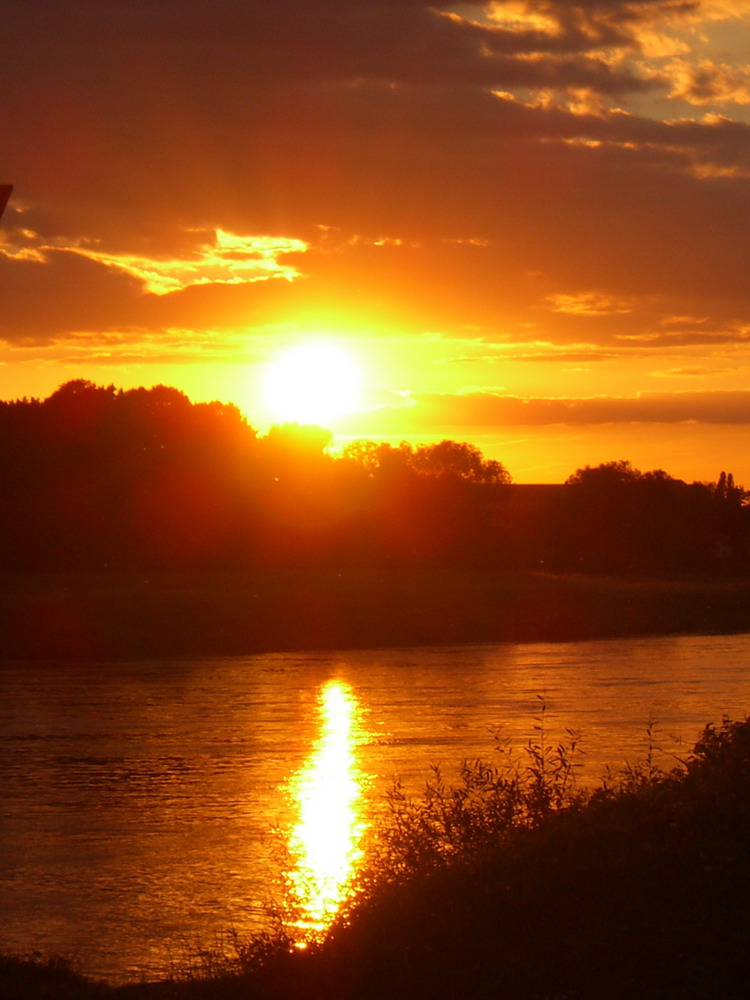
527, 222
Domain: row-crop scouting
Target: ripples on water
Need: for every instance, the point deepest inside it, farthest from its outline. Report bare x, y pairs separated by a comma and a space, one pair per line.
139, 800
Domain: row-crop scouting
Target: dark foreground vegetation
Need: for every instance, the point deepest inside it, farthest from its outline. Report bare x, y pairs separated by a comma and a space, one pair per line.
515, 885
136, 523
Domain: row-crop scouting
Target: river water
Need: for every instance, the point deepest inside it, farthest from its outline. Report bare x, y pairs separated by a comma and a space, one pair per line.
149, 806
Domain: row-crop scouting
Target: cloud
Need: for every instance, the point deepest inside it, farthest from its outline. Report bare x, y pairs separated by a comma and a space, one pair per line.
594, 24
542, 352
220, 258
694, 371
588, 304
59, 292
656, 341
226, 259
708, 83
443, 412
476, 162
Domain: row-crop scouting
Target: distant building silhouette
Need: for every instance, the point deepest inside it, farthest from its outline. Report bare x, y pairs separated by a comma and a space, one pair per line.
5, 190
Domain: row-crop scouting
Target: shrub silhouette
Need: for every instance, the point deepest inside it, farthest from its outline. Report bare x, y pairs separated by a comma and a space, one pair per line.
636, 888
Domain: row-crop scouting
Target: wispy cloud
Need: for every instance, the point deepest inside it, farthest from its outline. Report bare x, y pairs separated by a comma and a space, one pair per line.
588, 304
228, 259
487, 410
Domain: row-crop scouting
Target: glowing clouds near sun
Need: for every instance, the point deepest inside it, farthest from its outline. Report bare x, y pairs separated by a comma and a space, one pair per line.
224, 258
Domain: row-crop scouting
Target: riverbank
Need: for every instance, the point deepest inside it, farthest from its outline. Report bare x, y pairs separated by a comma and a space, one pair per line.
120, 616
516, 887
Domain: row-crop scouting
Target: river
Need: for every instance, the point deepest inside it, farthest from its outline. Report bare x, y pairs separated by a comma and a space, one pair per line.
149, 806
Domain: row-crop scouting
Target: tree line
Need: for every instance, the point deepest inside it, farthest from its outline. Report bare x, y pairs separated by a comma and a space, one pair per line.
96, 477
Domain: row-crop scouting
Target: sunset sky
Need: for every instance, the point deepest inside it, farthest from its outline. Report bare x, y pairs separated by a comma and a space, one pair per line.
527, 223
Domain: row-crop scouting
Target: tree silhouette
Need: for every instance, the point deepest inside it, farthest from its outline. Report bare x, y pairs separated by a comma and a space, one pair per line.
94, 477
614, 518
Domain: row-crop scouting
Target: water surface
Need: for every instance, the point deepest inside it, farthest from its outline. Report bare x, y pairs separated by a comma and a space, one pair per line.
146, 806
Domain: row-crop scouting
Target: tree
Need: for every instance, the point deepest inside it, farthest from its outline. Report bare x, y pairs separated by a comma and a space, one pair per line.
460, 461
607, 475
725, 490
447, 459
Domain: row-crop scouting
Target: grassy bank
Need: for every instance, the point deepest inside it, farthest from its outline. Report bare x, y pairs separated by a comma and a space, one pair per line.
109, 615
514, 885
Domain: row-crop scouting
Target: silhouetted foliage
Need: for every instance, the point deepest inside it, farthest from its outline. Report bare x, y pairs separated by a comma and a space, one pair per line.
614, 518
95, 477
630, 890
434, 502
445, 460
513, 885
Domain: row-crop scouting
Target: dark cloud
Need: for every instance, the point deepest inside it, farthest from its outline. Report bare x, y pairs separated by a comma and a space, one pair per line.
138, 128
61, 293
302, 40
481, 411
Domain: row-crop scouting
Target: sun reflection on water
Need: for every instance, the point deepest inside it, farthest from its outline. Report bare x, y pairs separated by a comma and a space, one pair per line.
325, 842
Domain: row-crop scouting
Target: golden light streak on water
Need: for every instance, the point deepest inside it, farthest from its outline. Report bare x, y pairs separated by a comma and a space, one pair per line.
325, 843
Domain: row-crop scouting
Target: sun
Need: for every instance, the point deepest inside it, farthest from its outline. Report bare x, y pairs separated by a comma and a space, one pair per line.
311, 384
